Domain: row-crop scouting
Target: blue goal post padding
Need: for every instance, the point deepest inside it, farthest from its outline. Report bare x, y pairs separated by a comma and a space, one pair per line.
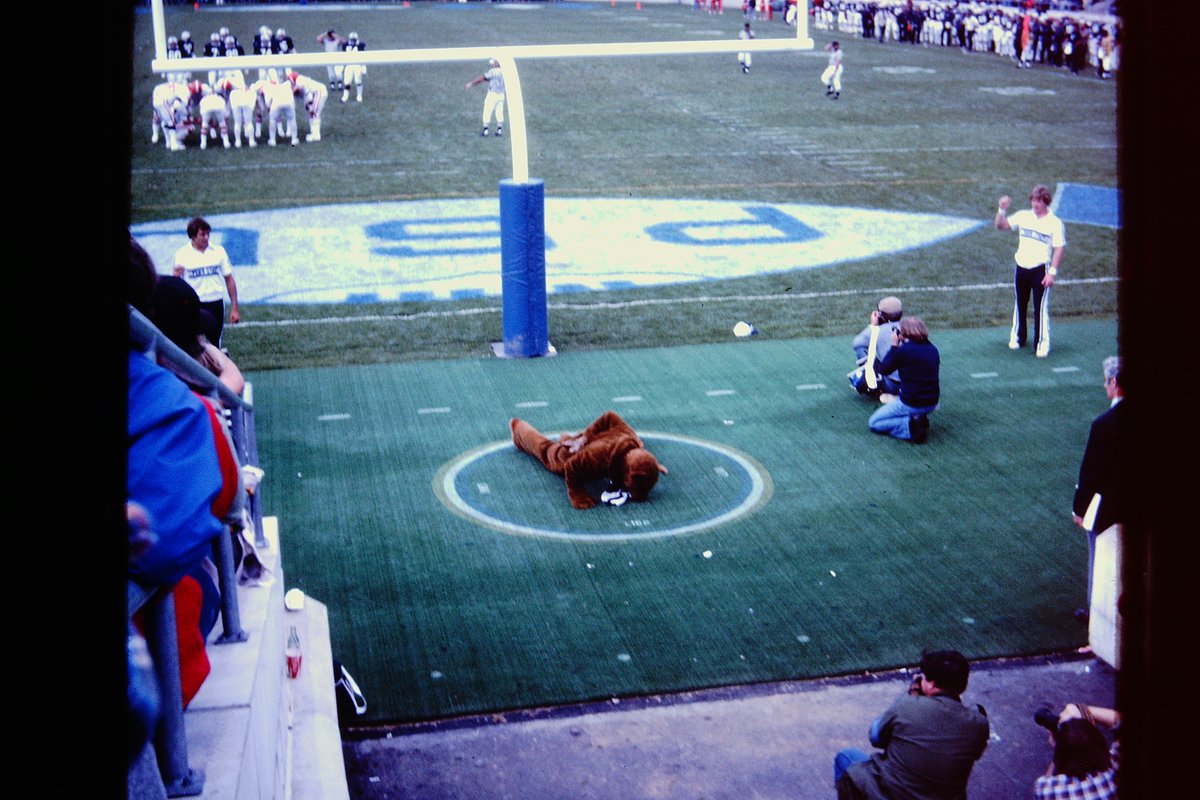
523, 268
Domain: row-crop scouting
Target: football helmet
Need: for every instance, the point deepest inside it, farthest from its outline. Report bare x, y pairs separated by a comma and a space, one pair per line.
352, 38
279, 34
186, 36
224, 32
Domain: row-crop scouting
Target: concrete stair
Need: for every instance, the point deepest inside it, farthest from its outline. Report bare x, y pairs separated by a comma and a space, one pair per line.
255, 733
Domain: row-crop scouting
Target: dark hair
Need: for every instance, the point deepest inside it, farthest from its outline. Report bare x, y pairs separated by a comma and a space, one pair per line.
177, 313
139, 285
1080, 749
197, 224
946, 669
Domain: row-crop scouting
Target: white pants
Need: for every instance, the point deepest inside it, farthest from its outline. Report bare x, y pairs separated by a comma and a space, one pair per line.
280, 112
833, 76
354, 73
493, 104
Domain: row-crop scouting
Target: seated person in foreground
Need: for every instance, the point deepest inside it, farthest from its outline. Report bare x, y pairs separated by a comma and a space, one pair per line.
928, 739
177, 313
865, 377
608, 448
916, 359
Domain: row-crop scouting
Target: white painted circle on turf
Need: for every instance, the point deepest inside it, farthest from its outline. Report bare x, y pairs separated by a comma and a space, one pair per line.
761, 489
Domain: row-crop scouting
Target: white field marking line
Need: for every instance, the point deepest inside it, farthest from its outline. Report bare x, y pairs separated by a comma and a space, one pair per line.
985, 374
332, 417
434, 410
719, 392
533, 404
1065, 369
807, 387
483, 488
724, 473
631, 398
550, 158
608, 306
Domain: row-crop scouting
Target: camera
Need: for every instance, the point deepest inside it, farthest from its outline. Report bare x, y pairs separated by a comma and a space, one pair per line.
1047, 717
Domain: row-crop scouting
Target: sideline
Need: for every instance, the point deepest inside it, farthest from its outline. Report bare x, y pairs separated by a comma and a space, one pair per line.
607, 306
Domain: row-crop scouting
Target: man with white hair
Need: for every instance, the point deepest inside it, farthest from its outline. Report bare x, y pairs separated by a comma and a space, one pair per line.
493, 103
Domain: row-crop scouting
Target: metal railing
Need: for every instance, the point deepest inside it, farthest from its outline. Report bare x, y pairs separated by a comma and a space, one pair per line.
158, 604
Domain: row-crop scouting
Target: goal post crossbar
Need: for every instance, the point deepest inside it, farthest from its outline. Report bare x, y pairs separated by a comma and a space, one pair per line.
428, 55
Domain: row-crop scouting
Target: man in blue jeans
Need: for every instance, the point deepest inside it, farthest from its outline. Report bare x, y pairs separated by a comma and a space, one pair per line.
917, 360
928, 739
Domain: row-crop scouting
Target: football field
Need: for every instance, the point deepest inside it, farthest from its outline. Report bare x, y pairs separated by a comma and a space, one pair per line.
681, 196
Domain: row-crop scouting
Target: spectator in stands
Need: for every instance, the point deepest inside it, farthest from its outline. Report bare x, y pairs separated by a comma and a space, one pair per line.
178, 315
180, 465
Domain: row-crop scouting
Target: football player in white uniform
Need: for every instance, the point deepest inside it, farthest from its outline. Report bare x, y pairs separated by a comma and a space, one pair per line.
493, 102
314, 95
281, 108
353, 74
240, 101
212, 117
169, 101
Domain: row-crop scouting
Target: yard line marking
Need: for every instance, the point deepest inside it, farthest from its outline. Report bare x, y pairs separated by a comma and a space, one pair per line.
483, 488
1065, 369
719, 392
985, 374
436, 410
805, 387
332, 417
533, 404
666, 301
630, 398
724, 473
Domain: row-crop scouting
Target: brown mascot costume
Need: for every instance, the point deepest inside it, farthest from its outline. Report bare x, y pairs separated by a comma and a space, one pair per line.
608, 448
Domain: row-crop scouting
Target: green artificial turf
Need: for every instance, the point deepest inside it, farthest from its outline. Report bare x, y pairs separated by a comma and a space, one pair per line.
866, 550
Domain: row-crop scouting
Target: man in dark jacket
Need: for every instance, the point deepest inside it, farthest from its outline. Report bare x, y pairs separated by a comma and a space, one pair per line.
1100, 501
918, 362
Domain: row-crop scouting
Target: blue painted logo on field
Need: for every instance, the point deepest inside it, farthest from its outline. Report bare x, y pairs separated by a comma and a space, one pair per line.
449, 249
1088, 205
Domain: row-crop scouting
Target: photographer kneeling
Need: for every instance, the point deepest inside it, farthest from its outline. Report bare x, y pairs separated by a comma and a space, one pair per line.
871, 346
1084, 764
918, 362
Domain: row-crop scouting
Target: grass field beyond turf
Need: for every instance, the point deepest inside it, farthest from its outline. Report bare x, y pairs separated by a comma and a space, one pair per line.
867, 550
916, 129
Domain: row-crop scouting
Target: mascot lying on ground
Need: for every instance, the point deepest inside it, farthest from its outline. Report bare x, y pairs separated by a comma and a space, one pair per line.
608, 448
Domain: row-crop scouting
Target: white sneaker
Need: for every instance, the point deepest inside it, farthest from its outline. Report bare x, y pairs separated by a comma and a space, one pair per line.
1042, 352
886, 398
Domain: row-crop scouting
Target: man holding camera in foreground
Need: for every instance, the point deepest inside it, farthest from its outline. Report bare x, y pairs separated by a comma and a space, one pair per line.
871, 346
928, 740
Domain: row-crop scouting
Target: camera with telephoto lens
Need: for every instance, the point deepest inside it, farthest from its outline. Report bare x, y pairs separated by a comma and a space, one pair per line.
1047, 717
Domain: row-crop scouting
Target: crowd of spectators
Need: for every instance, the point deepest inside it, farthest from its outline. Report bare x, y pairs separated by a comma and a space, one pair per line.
1027, 32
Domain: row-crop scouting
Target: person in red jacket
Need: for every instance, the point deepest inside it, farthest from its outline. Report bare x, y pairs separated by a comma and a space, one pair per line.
608, 448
